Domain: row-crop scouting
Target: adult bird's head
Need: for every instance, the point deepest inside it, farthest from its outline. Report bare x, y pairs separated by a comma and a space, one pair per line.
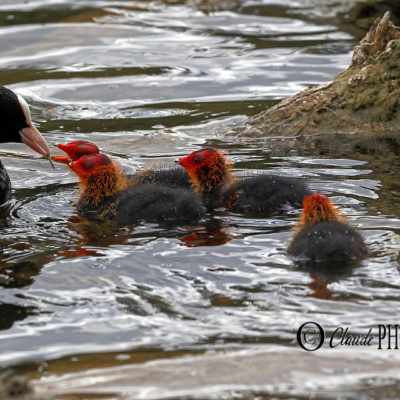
16, 123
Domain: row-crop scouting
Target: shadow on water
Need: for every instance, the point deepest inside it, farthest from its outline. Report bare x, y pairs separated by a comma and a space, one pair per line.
10, 313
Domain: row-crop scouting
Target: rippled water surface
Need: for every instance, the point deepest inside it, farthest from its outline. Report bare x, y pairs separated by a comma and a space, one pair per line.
147, 82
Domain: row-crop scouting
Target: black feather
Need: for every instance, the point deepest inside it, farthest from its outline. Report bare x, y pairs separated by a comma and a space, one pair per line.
172, 177
265, 194
12, 118
157, 203
327, 241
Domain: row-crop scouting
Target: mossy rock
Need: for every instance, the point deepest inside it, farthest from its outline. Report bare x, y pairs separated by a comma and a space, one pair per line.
360, 100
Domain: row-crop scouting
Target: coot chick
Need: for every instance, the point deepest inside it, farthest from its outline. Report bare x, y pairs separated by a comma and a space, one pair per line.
17, 126
261, 195
172, 177
323, 235
107, 193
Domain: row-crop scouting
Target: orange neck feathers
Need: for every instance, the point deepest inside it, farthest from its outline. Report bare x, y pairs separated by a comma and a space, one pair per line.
100, 182
318, 208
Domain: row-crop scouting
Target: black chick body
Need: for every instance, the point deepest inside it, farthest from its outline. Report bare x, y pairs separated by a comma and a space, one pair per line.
171, 177
264, 194
323, 235
327, 241
157, 203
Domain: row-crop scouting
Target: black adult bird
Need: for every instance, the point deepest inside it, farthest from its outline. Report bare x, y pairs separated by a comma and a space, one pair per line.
17, 126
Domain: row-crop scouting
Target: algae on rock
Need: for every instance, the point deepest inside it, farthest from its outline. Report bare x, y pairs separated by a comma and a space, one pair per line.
363, 99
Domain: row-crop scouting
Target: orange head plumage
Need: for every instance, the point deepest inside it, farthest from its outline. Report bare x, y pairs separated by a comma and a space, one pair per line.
317, 208
75, 150
207, 168
99, 177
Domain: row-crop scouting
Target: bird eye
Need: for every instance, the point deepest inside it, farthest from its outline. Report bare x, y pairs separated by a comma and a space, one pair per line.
79, 154
196, 160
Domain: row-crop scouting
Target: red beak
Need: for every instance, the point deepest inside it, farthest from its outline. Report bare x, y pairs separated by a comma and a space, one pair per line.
181, 161
64, 159
77, 166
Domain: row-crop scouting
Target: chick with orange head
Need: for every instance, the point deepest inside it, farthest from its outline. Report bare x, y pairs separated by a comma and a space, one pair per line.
211, 175
323, 235
108, 193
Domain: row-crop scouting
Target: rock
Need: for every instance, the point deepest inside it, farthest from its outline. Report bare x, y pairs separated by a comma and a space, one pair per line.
363, 99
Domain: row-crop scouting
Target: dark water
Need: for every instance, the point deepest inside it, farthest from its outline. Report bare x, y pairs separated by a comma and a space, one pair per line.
147, 82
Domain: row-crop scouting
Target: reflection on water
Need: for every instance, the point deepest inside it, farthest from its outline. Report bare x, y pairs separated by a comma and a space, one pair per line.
150, 81
211, 233
9, 313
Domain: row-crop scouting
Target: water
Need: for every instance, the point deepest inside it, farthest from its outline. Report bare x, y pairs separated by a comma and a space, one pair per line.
147, 82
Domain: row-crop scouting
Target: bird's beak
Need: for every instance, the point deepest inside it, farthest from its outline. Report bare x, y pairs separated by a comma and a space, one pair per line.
183, 162
78, 168
64, 159
74, 165
179, 161
32, 138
